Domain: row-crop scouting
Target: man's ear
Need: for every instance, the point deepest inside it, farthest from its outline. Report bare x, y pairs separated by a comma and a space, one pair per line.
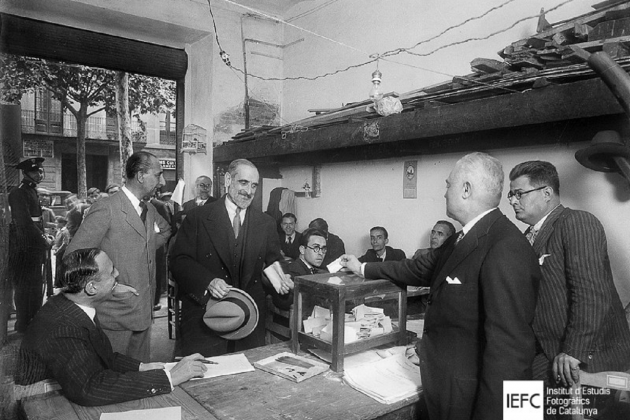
467, 190
386, 241
548, 192
302, 249
228, 180
90, 288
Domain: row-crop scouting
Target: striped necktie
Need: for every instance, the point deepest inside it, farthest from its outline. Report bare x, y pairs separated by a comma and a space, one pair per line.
236, 223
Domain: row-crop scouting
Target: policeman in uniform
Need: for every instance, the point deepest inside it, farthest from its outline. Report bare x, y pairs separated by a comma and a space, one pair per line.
28, 244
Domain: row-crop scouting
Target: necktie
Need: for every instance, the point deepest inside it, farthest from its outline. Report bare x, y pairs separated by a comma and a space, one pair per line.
313, 270
289, 240
236, 223
460, 236
143, 215
531, 235
380, 259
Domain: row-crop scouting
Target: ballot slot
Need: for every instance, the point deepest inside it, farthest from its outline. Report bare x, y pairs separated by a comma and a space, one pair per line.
343, 313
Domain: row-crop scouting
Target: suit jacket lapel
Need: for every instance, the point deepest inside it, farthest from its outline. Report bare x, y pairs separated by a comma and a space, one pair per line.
546, 230
81, 319
131, 216
220, 232
467, 245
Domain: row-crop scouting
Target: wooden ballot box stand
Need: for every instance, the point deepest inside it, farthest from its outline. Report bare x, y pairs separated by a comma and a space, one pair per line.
341, 290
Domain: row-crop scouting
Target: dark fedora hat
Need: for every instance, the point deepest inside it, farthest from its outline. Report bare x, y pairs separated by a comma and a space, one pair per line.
233, 317
31, 164
599, 155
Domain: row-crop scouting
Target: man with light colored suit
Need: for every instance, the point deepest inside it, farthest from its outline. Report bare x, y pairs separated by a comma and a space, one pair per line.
484, 282
222, 245
129, 230
580, 321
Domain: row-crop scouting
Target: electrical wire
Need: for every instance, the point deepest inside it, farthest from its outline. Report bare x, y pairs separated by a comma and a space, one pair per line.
311, 11
385, 56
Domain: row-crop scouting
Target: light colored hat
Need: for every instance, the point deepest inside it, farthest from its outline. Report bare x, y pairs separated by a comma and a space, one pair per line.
234, 317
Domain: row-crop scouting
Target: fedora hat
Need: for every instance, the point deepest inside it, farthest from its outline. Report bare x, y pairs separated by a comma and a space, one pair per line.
233, 317
599, 155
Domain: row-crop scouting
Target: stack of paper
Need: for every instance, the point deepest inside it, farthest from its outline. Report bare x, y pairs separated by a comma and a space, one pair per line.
291, 366
387, 381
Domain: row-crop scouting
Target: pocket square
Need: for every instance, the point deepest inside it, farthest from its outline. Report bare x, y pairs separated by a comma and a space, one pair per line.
449, 280
541, 260
156, 228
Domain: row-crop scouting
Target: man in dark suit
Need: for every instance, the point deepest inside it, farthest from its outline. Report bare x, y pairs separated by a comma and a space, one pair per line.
379, 238
336, 247
222, 245
203, 190
312, 248
289, 238
129, 230
580, 321
65, 341
477, 328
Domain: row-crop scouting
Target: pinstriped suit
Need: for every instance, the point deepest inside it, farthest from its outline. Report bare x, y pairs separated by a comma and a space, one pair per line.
579, 311
63, 343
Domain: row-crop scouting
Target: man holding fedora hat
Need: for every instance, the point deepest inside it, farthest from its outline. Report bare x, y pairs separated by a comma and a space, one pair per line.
28, 244
218, 260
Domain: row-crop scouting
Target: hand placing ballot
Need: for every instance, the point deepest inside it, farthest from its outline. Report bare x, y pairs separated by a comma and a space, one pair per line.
351, 262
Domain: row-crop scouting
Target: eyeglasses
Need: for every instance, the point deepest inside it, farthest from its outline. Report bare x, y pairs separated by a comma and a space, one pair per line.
317, 249
519, 194
205, 186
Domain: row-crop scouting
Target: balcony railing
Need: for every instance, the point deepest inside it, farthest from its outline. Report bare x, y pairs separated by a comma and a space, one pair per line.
96, 127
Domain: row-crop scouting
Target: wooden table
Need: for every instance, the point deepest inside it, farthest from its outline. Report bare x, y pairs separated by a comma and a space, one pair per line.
253, 395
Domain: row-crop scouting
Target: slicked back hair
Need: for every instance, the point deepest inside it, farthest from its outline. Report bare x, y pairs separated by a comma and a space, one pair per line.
539, 173
79, 268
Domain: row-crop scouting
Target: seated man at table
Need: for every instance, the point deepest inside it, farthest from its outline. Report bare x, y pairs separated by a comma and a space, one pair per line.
336, 247
289, 238
379, 238
312, 252
65, 342
442, 230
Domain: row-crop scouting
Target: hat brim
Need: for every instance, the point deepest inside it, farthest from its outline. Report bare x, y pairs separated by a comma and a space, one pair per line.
599, 157
247, 328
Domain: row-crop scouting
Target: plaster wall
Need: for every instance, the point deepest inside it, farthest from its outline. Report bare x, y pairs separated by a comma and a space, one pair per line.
359, 195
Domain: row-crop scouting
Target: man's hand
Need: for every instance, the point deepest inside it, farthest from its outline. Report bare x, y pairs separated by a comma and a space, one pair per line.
566, 369
286, 284
150, 366
189, 367
351, 262
122, 288
218, 288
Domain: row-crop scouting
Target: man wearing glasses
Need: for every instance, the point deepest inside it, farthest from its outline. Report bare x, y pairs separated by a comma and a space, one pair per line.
312, 252
203, 191
579, 321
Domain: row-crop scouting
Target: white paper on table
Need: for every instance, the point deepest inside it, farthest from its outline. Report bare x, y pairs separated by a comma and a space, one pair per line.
349, 334
335, 280
275, 275
365, 357
361, 311
388, 380
165, 413
312, 323
334, 266
225, 365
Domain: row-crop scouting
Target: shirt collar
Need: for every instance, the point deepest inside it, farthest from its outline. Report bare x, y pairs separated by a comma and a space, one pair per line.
306, 262
231, 208
91, 312
134, 200
474, 221
200, 202
382, 256
538, 225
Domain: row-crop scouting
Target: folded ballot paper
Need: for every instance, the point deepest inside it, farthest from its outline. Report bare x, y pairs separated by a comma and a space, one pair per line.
364, 322
275, 275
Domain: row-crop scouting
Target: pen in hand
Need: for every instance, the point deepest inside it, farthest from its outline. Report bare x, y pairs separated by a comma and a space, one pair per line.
204, 361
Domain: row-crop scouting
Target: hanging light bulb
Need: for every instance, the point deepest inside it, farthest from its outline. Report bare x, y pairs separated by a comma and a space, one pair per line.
375, 93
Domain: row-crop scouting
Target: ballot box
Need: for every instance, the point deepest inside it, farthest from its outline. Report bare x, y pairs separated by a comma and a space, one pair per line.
339, 294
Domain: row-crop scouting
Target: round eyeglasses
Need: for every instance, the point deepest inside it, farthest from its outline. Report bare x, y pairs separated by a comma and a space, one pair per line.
317, 249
